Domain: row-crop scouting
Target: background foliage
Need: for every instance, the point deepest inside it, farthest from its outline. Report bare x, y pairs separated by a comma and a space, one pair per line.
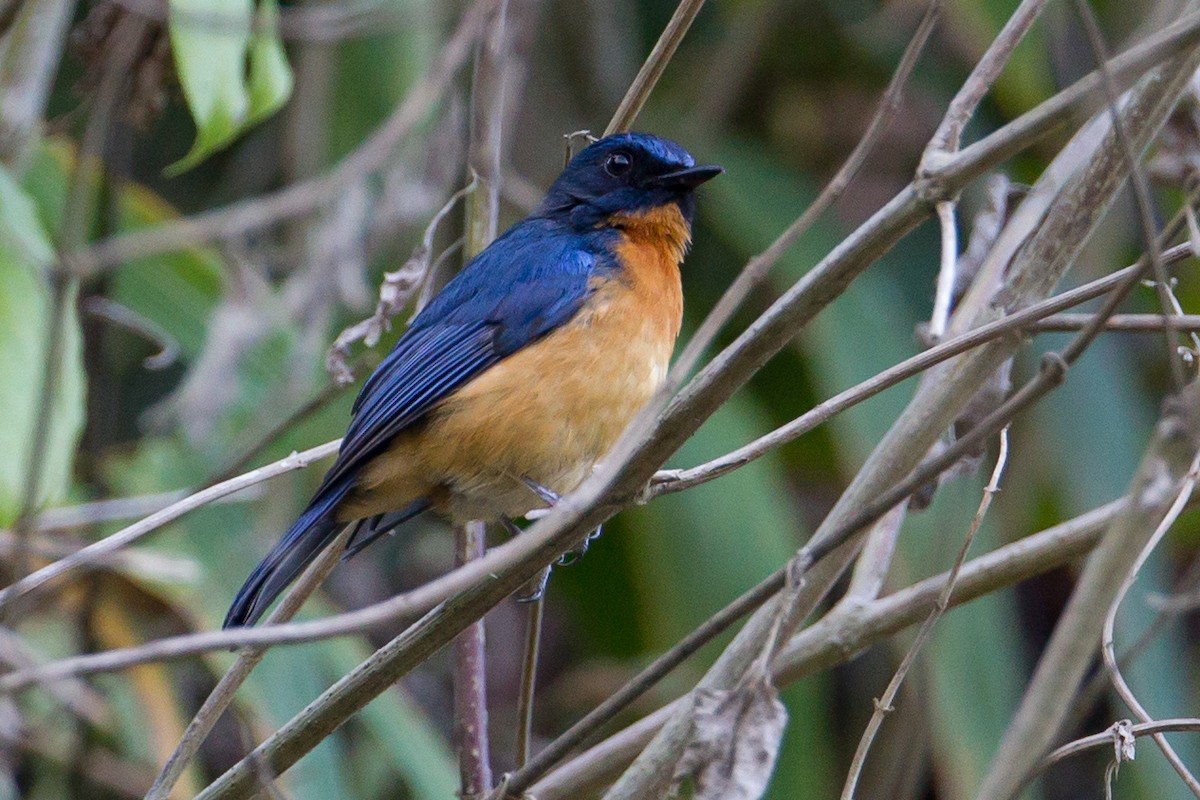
778, 91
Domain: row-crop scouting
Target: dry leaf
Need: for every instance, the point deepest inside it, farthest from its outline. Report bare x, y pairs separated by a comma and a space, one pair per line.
736, 736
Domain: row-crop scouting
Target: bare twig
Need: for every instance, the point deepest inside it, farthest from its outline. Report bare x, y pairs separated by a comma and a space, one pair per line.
1098, 741
871, 568
1084, 194
513, 572
948, 136
756, 268
844, 632
631, 104
105, 547
529, 663
946, 140
1072, 646
947, 272
1141, 196
397, 288
223, 693
1107, 650
1025, 319
1131, 323
130, 320
470, 683
883, 706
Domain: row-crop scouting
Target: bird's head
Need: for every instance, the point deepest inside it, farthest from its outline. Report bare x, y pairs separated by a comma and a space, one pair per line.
625, 174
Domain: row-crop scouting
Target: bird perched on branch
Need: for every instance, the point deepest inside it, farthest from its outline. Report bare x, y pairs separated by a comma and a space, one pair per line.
509, 386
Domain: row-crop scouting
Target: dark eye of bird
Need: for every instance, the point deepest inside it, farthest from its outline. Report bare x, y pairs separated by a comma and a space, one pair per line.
617, 164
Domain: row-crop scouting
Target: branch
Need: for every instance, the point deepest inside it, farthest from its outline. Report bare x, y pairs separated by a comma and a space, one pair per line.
1027, 319
1084, 180
1141, 197
1107, 650
470, 683
102, 549
1098, 741
1073, 645
845, 632
223, 693
647, 77
883, 706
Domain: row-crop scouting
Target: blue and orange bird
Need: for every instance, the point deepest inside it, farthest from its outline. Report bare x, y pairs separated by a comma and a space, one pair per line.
523, 371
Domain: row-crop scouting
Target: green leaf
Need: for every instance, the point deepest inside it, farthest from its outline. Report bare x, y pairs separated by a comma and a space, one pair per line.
24, 317
211, 41
270, 75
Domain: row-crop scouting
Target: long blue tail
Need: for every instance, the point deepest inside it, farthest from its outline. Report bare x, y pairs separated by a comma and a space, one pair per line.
307, 537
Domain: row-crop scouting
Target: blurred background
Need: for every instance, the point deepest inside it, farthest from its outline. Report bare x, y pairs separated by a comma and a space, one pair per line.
777, 91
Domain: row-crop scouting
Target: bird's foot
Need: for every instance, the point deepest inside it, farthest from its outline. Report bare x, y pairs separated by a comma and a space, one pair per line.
536, 588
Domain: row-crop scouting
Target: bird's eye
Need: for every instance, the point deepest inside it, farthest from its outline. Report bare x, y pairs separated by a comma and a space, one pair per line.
617, 164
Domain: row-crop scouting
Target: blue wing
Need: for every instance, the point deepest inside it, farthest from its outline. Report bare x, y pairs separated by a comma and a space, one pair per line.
527, 283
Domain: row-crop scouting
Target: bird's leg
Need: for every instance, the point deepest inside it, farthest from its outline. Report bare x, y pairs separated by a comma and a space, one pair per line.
550, 498
537, 586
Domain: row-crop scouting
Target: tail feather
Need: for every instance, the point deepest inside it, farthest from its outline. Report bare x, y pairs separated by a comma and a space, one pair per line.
307, 537
374, 527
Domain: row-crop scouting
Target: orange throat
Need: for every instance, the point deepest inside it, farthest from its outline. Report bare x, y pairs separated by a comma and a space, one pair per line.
662, 227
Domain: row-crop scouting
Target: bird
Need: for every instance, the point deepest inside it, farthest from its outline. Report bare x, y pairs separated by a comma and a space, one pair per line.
509, 386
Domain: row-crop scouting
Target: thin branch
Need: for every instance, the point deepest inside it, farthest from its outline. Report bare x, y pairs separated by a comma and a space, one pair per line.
102, 549
1099, 741
647, 77
871, 568
947, 272
470, 682
223, 693
948, 136
637, 686
843, 633
756, 269
677, 480
1108, 652
1141, 196
529, 664
1072, 647
1131, 323
884, 705
513, 563
596, 499
1083, 195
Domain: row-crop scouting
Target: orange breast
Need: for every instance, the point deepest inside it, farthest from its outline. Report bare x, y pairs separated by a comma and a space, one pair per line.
551, 410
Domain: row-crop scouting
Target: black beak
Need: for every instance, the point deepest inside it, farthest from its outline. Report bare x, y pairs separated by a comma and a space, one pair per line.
687, 179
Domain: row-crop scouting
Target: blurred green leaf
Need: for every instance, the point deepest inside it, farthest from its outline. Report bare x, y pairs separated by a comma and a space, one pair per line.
270, 76
211, 41
24, 320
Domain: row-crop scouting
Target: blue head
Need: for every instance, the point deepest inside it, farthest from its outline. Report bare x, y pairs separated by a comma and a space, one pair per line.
625, 173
